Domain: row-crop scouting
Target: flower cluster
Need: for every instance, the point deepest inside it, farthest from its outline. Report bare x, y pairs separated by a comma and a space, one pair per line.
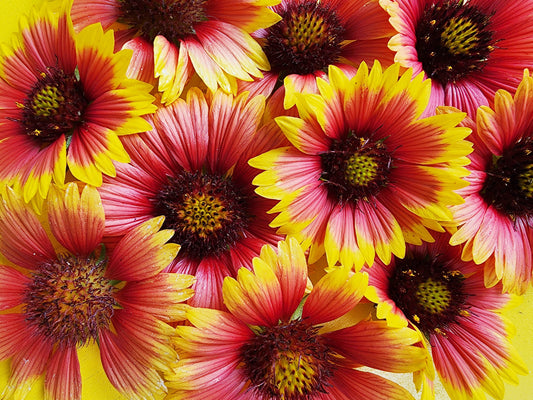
264, 199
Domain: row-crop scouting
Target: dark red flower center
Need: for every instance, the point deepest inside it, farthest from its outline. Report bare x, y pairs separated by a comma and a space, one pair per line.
453, 40
208, 213
307, 39
289, 361
173, 19
69, 300
428, 291
54, 107
508, 185
356, 168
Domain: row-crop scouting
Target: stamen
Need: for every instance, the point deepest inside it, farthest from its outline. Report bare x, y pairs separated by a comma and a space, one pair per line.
69, 300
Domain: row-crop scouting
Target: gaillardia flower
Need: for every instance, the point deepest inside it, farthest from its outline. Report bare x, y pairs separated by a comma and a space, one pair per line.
64, 100
192, 168
495, 221
209, 37
312, 35
364, 174
469, 48
446, 299
278, 343
64, 292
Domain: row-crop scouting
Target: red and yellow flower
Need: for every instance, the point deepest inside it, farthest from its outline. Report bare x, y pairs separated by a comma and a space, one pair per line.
469, 49
312, 35
364, 174
278, 342
445, 298
181, 37
496, 218
192, 168
61, 293
64, 102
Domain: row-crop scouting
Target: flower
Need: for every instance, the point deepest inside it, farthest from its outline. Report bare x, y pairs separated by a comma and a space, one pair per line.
209, 37
496, 218
59, 298
364, 174
64, 100
469, 49
276, 342
192, 168
446, 299
315, 34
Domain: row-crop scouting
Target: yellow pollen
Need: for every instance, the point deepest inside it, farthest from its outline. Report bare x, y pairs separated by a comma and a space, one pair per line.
433, 296
46, 102
294, 375
525, 181
203, 214
305, 31
460, 36
360, 170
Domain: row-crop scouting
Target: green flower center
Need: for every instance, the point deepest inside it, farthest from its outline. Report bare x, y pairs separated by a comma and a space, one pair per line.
453, 40
47, 101
427, 292
356, 168
54, 107
69, 300
361, 170
434, 296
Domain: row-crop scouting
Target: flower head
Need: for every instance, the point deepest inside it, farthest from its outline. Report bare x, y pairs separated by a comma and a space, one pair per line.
364, 174
276, 342
209, 37
62, 292
312, 35
192, 168
496, 217
64, 100
445, 298
469, 49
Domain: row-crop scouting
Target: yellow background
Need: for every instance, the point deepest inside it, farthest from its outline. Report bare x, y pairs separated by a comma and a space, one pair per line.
521, 316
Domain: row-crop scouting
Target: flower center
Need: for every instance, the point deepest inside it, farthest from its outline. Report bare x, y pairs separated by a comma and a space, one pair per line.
355, 168
307, 39
427, 292
453, 40
508, 185
173, 19
288, 362
69, 300
433, 296
54, 107
206, 211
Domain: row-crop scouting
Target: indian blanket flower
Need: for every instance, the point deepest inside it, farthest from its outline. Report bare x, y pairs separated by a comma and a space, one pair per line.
62, 292
469, 48
315, 34
209, 37
277, 342
64, 100
495, 221
446, 299
192, 168
364, 174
